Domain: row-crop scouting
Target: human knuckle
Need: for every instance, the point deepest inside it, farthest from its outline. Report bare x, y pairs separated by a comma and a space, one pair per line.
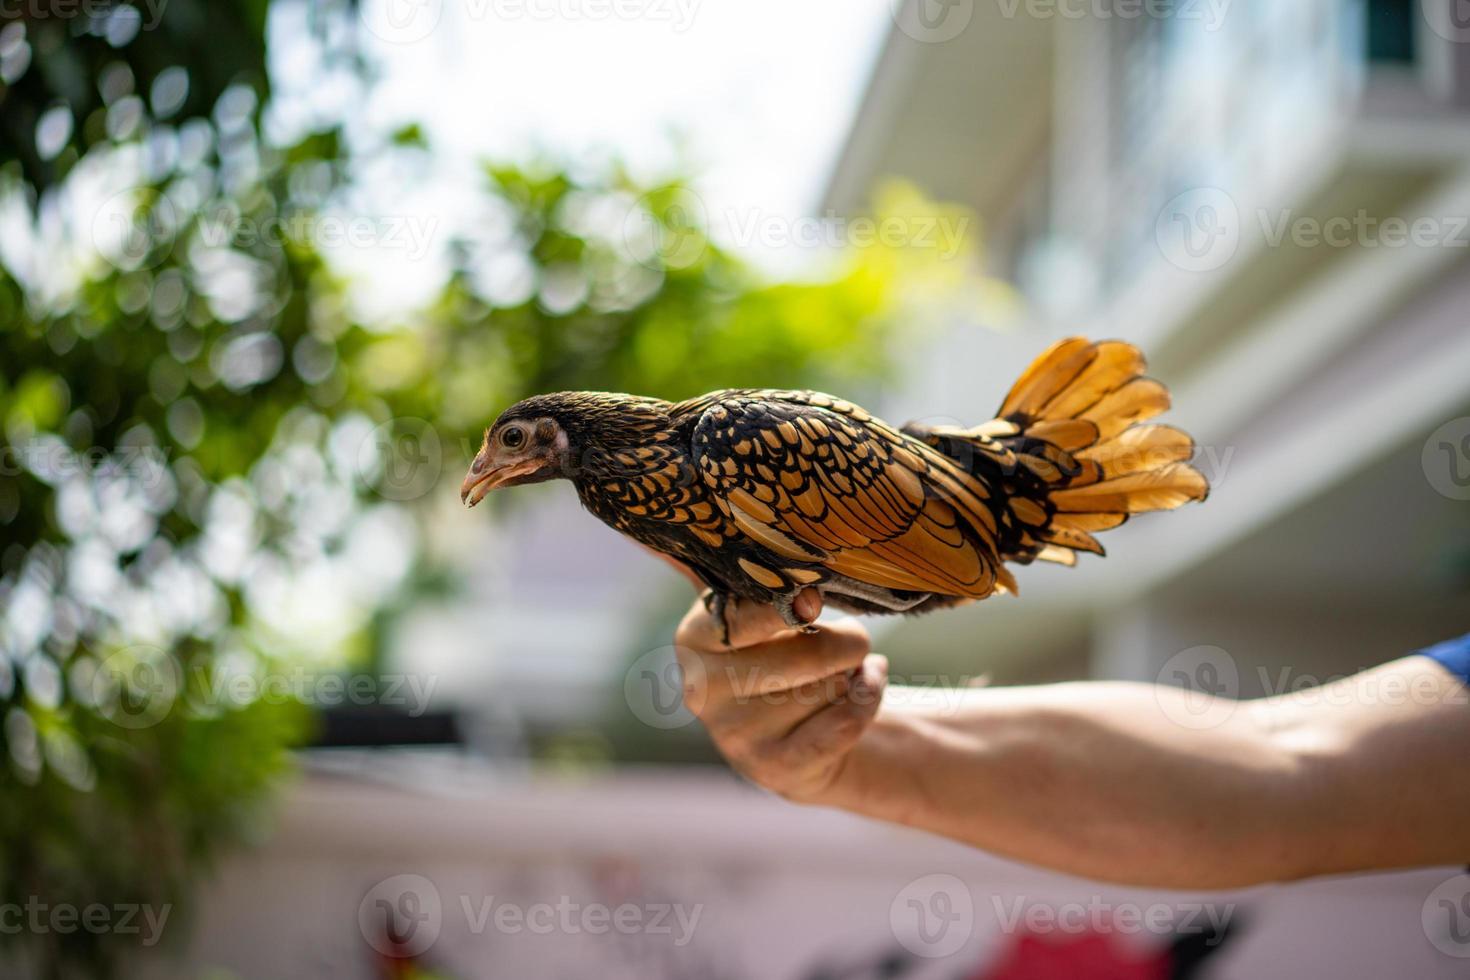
846, 726
769, 768
738, 746
748, 633
792, 755
847, 646
688, 636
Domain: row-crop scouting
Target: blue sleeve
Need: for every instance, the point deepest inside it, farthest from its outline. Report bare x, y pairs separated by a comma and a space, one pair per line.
1453, 655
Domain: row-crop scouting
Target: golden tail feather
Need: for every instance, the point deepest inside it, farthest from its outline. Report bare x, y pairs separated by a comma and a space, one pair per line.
1074, 450
1088, 404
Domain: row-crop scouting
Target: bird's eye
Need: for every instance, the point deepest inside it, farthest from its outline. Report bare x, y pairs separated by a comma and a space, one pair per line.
513, 438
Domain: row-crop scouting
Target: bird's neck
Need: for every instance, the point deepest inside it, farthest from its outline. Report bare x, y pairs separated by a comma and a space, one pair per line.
623, 483
598, 463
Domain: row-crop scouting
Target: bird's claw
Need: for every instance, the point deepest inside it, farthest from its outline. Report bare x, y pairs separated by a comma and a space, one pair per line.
716, 604
719, 606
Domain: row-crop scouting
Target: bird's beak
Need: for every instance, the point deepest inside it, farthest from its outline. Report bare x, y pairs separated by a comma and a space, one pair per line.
485, 476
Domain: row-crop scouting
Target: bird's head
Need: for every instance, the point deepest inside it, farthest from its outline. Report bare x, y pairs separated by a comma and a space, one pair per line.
549, 436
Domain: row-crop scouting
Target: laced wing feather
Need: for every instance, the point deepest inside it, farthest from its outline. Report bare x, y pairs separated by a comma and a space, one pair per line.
845, 489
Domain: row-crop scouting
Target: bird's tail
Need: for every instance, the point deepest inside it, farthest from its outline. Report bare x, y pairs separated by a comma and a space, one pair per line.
1068, 447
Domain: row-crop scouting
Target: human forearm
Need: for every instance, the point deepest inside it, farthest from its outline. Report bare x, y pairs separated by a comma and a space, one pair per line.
1102, 780
1091, 779
1130, 782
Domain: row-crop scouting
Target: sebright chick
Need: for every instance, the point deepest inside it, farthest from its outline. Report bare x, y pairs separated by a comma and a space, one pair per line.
764, 493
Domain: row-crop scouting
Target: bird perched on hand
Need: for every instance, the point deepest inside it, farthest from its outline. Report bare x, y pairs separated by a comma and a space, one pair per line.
764, 493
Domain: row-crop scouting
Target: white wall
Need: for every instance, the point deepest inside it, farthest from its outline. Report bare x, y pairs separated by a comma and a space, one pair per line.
779, 890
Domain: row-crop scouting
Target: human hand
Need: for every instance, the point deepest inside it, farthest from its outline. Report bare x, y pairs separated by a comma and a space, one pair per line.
785, 708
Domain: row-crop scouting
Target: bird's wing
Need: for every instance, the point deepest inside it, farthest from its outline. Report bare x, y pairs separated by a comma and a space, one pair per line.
816, 480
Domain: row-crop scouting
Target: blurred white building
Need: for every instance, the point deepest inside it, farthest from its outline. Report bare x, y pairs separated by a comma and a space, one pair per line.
1272, 200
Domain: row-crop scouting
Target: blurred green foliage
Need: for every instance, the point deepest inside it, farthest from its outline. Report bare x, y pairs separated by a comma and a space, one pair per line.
198, 482
80, 73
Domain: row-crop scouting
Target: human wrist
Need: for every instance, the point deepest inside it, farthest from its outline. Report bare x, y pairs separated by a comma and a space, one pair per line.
874, 778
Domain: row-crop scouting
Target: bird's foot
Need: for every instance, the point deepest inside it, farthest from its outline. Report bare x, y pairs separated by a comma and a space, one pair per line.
716, 604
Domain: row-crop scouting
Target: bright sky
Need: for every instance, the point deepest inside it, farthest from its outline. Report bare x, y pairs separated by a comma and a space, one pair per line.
761, 91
